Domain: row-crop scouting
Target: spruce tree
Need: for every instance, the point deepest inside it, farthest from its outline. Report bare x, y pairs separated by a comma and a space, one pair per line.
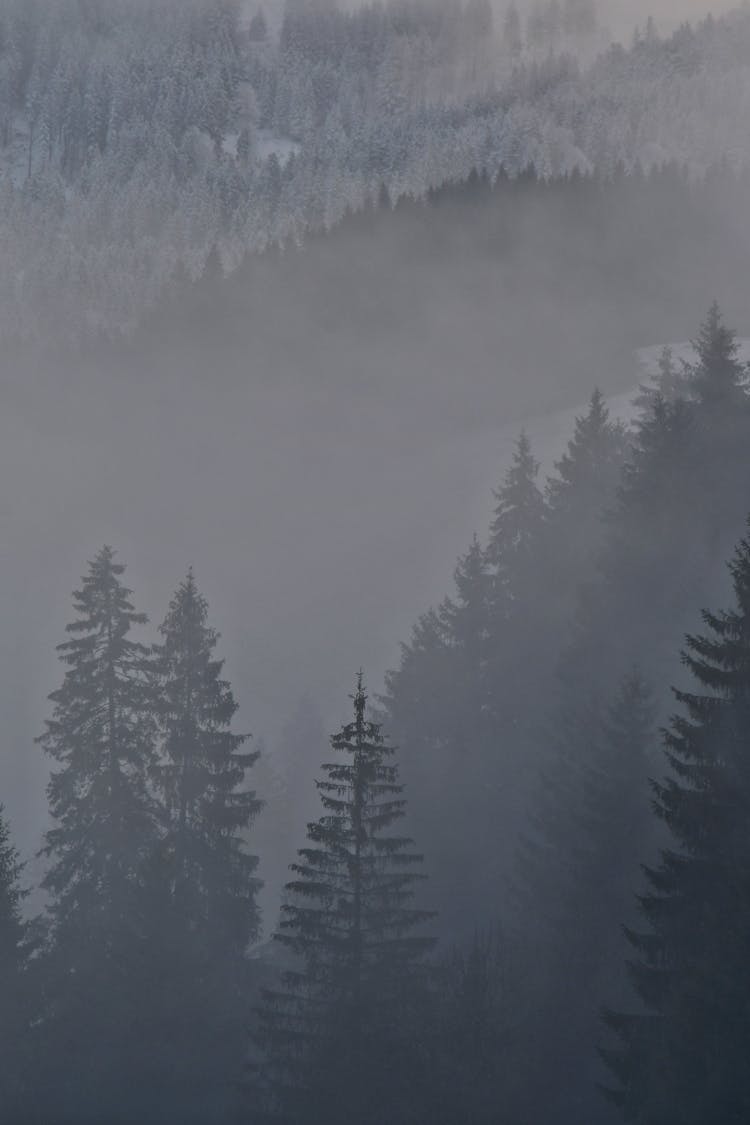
201, 780
517, 520
588, 831
651, 560
202, 876
101, 738
478, 1010
718, 379
516, 617
682, 1058
670, 381
718, 384
337, 1034
584, 485
579, 495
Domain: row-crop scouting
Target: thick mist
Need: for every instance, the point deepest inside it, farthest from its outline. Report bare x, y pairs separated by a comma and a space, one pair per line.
404, 364
319, 436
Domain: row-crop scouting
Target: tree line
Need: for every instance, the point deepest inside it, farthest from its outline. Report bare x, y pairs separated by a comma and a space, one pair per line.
482, 981
138, 139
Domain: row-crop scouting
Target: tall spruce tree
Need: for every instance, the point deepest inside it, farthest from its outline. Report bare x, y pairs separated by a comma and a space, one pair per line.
718, 378
670, 381
105, 825
102, 739
514, 554
202, 876
337, 1035
683, 1057
718, 385
588, 831
584, 485
202, 780
517, 521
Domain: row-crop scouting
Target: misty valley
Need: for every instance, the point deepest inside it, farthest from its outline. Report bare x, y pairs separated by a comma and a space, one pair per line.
375, 662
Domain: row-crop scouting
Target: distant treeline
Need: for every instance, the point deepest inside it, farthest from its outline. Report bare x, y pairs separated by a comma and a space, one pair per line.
138, 138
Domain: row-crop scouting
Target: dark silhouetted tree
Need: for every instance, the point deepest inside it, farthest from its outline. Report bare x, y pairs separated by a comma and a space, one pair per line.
337, 1035
202, 875
101, 738
202, 781
589, 830
683, 1057
718, 379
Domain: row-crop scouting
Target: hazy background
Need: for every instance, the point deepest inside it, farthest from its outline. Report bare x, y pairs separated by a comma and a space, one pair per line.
319, 436
621, 16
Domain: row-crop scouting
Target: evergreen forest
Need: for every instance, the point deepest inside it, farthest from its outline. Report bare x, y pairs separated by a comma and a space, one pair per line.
375, 562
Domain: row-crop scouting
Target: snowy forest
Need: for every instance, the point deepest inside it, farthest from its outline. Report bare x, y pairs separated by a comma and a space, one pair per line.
142, 140
375, 663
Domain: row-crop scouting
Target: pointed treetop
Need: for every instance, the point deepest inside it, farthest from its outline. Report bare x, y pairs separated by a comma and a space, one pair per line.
360, 697
719, 376
520, 504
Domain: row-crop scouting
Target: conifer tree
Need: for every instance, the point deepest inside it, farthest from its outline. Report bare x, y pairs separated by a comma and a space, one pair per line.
670, 382
336, 1034
579, 495
105, 827
718, 385
202, 876
651, 559
517, 520
682, 1058
476, 1028
101, 737
516, 612
588, 832
718, 378
201, 779
465, 620
587, 474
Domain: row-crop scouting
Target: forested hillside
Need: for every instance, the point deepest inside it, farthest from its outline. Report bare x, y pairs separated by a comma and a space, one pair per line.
446, 973
378, 380
138, 138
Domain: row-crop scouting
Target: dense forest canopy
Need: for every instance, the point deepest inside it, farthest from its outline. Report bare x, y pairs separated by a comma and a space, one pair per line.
141, 142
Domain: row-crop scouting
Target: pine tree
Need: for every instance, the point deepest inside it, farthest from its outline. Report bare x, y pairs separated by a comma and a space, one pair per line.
465, 619
105, 827
718, 379
578, 496
587, 834
670, 382
202, 779
516, 613
336, 1034
651, 560
202, 877
476, 1031
588, 473
517, 520
101, 736
683, 1056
